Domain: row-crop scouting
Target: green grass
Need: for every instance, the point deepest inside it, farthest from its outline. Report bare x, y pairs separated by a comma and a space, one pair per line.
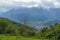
3, 37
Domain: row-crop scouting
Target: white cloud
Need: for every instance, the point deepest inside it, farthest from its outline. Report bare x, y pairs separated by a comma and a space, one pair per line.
3, 9
57, 4
19, 3
29, 3
51, 0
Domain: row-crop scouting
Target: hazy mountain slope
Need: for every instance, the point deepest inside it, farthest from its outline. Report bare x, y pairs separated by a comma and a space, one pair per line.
33, 14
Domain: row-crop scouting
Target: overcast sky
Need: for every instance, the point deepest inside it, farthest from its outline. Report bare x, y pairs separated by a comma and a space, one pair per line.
9, 4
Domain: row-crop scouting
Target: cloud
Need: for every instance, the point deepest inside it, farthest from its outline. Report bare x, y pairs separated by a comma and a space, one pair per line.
4, 9
28, 3
8, 4
57, 4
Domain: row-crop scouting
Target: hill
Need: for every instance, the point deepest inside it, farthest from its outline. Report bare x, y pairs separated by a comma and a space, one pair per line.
9, 27
52, 32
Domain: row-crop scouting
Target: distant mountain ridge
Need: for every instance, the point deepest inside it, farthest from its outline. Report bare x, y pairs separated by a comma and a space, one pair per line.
33, 14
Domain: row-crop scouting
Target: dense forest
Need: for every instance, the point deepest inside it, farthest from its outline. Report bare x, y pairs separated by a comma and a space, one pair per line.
11, 28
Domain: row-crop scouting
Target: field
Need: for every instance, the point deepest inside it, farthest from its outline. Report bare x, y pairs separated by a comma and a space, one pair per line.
3, 37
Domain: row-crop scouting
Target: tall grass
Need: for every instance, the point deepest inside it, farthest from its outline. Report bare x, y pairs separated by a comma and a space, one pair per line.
3, 37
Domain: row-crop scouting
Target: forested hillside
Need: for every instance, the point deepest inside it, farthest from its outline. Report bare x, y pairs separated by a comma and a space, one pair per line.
52, 32
11, 28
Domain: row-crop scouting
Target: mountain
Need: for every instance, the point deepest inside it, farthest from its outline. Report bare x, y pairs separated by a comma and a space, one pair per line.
34, 14
10, 27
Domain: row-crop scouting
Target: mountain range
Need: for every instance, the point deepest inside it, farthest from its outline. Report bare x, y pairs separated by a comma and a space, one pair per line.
44, 16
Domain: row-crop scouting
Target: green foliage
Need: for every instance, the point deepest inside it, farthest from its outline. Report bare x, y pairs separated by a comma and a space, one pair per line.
9, 27
12, 28
3, 37
50, 32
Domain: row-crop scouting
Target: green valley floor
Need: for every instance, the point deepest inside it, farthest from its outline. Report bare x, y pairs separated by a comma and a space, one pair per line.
3, 37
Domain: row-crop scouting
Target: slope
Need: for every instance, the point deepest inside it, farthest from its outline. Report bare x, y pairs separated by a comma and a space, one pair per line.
9, 27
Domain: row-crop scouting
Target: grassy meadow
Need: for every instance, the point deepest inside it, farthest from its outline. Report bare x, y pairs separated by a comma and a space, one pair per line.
3, 37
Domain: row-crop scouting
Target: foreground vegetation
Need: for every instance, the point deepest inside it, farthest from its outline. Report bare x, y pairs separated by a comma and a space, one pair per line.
16, 31
3, 37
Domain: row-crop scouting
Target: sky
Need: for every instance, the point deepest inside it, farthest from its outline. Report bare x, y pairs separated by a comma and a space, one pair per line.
6, 5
